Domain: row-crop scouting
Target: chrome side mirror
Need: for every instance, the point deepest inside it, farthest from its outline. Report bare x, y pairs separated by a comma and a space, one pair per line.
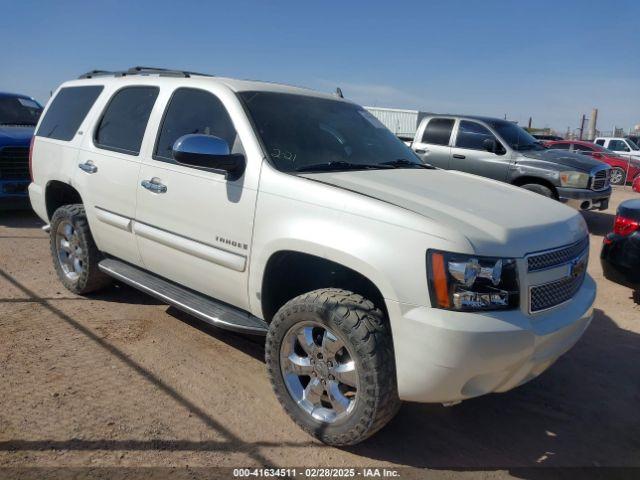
207, 152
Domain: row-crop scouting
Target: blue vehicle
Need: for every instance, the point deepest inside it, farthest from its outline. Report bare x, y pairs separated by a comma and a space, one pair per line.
18, 117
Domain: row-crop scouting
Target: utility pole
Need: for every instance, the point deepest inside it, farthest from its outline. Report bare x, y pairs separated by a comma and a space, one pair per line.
582, 126
530, 120
593, 124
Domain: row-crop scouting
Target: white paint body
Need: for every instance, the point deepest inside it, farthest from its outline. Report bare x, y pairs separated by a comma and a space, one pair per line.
379, 223
606, 143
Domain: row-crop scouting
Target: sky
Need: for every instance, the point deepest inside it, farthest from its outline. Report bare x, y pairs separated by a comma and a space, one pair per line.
551, 60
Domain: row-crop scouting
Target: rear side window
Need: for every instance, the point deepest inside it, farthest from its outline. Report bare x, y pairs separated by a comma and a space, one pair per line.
600, 142
194, 111
560, 146
471, 135
438, 131
67, 111
125, 119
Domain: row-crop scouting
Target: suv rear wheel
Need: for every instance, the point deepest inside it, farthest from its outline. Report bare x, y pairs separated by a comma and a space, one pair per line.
75, 255
330, 359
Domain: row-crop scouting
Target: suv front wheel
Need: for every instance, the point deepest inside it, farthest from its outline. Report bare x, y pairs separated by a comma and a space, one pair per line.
330, 359
75, 255
539, 189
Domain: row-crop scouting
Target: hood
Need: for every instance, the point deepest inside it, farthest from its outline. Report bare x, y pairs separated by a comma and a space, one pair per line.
497, 219
15, 135
563, 157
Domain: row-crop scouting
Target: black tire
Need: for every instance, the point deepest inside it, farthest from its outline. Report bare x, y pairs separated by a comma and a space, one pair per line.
539, 189
366, 332
618, 176
90, 278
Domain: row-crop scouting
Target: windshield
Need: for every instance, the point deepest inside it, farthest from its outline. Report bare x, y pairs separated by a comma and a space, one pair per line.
632, 144
19, 111
302, 133
516, 136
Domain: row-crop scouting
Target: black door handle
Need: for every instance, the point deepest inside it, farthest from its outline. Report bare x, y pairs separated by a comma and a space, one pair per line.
457, 155
421, 151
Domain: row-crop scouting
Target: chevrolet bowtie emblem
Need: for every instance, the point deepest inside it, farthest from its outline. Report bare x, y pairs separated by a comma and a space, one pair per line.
578, 266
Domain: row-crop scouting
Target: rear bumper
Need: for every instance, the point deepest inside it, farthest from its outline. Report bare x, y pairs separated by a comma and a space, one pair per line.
583, 199
443, 356
36, 196
620, 258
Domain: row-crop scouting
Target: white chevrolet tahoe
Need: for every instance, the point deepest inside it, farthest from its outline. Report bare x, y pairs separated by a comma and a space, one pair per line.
275, 210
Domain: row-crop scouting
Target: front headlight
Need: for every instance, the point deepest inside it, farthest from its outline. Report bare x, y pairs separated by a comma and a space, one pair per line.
469, 282
574, 179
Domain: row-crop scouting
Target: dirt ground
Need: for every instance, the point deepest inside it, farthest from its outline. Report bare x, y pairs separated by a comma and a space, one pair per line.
119, 380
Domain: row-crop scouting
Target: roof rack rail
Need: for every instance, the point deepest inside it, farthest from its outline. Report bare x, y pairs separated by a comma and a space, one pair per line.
163, 72
96, 73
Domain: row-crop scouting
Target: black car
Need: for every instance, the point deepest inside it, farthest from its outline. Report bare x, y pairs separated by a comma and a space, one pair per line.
544, 137
620, 255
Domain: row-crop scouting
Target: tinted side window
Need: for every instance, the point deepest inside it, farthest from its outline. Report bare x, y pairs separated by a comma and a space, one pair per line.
67, 111
194, 111
618, 146
438, 131
600, 142
560, 146
124, 121
471, 135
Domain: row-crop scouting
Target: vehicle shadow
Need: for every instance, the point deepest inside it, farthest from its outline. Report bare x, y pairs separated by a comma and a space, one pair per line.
251, 345
123, 293
20, 219
583, 412
599, 223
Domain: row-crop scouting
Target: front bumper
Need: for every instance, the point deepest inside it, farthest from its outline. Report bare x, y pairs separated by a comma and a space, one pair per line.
444, 356
13, 194
583, 199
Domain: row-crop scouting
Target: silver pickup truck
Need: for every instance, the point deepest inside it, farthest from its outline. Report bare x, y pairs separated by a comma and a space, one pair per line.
501, 150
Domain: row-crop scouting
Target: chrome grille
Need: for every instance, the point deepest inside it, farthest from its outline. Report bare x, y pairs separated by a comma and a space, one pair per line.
14, 163
557, 257
600, 180
542, 297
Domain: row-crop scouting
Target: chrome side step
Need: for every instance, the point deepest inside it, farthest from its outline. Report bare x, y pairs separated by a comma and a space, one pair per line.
201, 306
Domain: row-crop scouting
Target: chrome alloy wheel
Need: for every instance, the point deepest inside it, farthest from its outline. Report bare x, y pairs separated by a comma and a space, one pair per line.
69, 250
319, 371
617, 176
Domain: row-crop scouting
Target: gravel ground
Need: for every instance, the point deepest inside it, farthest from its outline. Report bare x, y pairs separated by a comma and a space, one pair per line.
119, 380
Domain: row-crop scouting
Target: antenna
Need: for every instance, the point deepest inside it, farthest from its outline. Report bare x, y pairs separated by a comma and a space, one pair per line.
339, 92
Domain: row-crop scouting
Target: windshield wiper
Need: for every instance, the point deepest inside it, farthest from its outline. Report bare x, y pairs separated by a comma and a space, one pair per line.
402, 162
340, 165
